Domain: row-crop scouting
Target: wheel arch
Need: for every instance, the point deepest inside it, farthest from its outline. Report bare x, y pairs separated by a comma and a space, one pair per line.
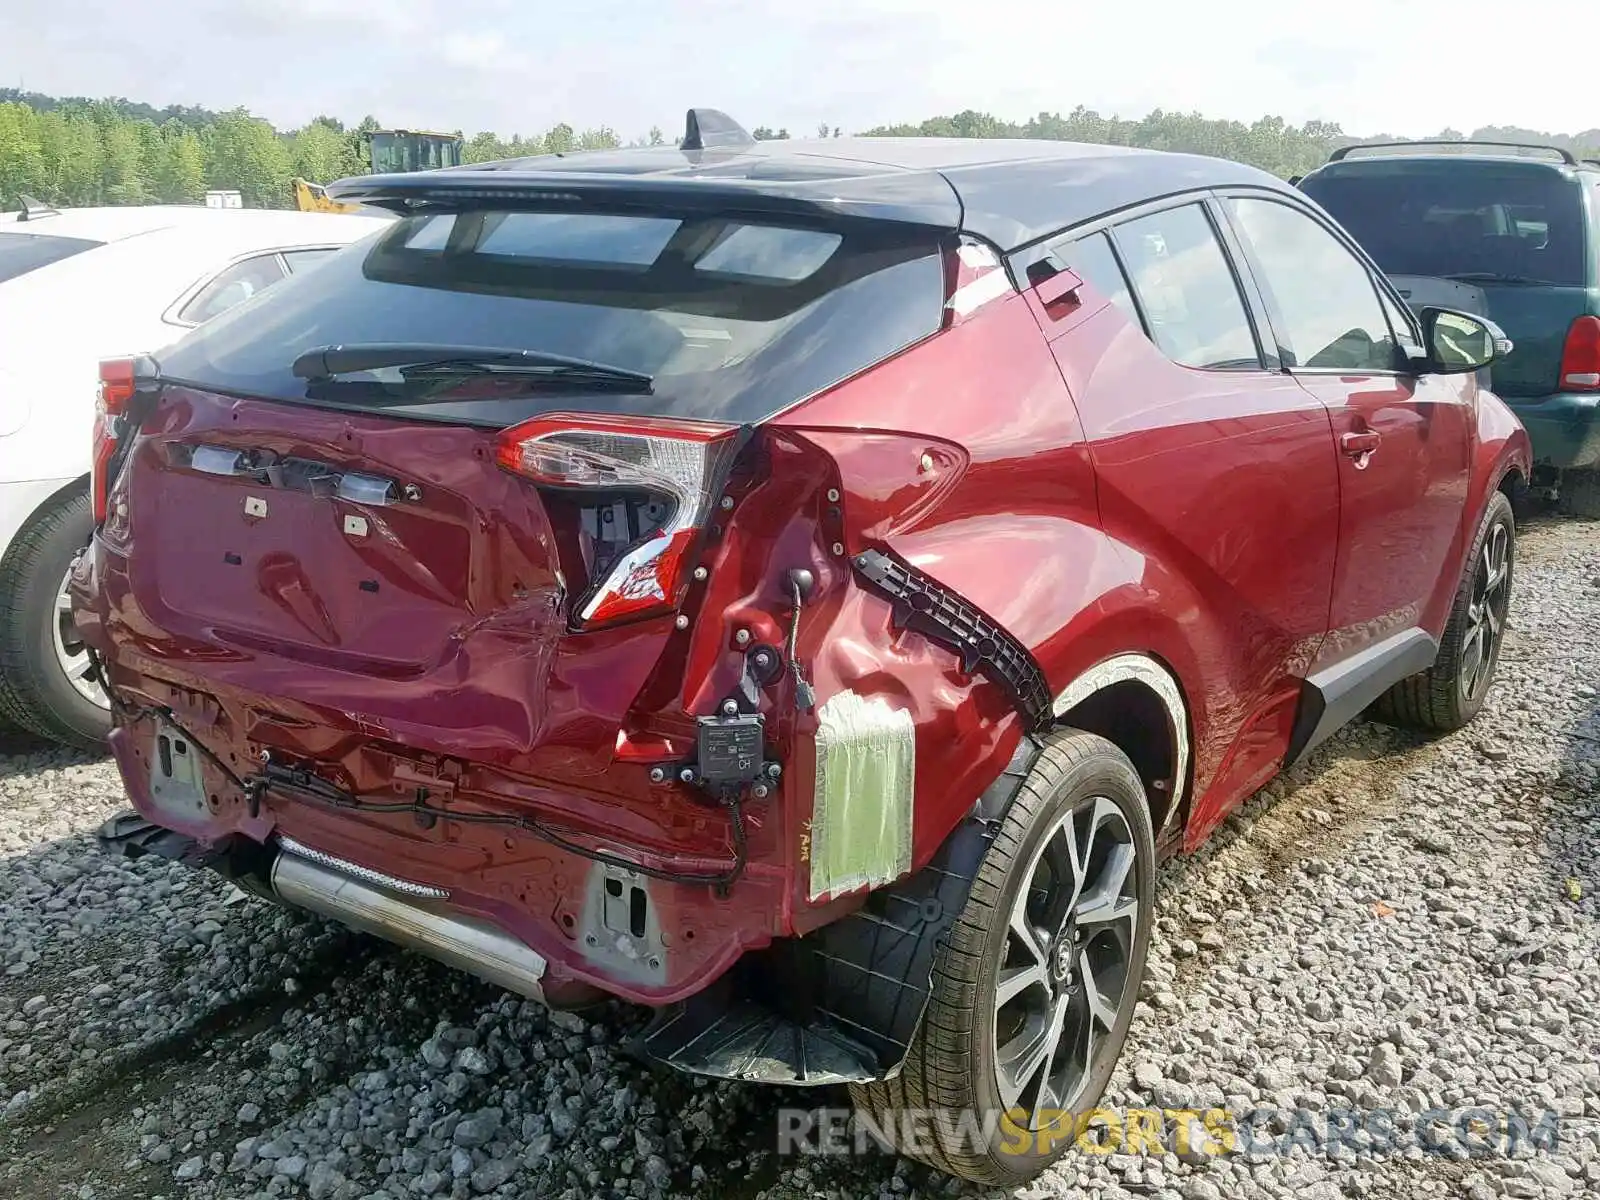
1134, 701
50, 495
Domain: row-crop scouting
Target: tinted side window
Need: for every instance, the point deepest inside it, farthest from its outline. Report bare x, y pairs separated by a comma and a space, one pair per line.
1322, 294
1096, 264
233, 286
304, 260
1186, 289
1419, 218
1405, 330
24, 252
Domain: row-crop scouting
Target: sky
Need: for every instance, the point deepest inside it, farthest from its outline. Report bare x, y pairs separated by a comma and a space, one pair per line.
1395, 66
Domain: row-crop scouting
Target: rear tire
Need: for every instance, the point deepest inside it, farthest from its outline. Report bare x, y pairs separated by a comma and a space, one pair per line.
1025, 960
36, 693
1445, 697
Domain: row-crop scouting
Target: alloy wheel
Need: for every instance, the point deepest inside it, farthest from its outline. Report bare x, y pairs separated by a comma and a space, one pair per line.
72, 655
1065, 971
1486, 612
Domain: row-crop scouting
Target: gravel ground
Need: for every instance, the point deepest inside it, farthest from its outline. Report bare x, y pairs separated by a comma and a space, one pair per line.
1397, 925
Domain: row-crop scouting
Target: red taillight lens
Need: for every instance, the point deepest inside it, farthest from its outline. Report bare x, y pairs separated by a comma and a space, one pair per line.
660, 476
116, 389
1580, 359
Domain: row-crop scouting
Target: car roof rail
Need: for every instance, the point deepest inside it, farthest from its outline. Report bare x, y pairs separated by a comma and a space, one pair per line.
33, 208
1344, 152
713, 129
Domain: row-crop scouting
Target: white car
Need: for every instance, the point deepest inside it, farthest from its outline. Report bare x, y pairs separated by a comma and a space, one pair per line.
77, 286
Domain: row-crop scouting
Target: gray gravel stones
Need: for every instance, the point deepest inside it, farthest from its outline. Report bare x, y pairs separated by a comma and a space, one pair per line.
1391, 926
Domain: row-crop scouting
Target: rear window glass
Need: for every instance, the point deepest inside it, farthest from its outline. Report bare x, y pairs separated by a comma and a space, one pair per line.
1519, 225
734, 319
24, 252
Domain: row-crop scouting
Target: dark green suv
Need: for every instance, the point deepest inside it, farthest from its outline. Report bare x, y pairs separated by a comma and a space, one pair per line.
1509, 232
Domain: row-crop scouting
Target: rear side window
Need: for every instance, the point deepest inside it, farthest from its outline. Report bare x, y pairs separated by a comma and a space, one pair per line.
734, 319
233, 286
1323, 295
1094, 262
304, 260
24, 252
1186, 289
1486, 223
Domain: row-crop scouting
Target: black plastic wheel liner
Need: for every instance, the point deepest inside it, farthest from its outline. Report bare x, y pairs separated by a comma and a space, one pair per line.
842, 1004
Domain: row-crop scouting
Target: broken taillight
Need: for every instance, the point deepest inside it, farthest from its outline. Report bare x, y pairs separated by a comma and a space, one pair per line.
116, 390
638, 491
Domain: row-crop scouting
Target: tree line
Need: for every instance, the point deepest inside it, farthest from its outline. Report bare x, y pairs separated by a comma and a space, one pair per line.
88, 152
78, 151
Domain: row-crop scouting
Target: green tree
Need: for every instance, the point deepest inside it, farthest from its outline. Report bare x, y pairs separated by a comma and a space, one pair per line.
73, 157
245, 153
484, 147
559, 140
322, 153
179, 173
22, 162
124, 174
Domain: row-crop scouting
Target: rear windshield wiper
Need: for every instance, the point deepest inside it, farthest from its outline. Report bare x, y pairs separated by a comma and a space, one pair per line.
1491, 277
424, 361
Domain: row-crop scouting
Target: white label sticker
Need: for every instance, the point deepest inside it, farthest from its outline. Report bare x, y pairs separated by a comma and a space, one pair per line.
355, 526
255, 506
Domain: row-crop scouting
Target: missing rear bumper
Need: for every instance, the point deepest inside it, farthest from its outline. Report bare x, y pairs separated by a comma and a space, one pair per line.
838, 1006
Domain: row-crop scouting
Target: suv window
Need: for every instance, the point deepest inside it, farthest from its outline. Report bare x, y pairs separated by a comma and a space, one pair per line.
1095, 262
1425, 219
775, 315
232, 286
1187, 290
304, 260
24, 252
1321, 294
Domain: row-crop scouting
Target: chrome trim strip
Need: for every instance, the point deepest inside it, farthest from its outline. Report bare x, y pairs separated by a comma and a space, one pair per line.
403, 887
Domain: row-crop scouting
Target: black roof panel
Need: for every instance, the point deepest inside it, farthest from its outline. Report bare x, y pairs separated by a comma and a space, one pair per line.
1009, 191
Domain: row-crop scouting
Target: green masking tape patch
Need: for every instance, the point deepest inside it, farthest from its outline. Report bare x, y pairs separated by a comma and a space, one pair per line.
866, 777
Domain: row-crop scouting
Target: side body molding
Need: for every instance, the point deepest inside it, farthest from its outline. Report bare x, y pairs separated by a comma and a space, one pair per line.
1140, 668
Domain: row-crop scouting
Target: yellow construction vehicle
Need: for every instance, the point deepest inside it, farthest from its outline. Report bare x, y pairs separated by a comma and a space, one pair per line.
393, 151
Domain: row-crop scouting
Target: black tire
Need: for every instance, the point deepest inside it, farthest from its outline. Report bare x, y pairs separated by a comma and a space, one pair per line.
35, 694
1580, 493
951, 1067
1438, 700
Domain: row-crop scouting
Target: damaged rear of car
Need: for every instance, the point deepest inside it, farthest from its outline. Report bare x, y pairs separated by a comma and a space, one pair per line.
472, 561
564, 582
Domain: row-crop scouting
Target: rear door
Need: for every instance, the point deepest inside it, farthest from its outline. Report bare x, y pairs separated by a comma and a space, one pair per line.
1403, 438
1212, 466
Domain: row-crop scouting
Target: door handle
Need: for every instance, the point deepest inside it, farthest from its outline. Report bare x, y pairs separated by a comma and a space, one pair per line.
1359, 445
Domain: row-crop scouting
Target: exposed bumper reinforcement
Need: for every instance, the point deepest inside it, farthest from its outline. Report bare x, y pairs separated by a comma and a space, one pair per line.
410, 914
453, 938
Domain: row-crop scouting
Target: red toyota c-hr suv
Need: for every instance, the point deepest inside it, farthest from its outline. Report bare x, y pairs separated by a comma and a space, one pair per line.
802, 587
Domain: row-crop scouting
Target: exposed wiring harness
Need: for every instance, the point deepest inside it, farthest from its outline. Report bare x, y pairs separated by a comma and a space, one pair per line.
304, 786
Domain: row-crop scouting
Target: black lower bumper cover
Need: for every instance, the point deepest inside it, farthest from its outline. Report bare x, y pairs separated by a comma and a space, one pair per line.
129, 835
842, 1004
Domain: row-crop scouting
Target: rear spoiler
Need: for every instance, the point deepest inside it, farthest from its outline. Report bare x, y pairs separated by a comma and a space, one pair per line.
915, 198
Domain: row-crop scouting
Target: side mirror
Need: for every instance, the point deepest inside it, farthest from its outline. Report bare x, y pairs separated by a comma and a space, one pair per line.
1459, 342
